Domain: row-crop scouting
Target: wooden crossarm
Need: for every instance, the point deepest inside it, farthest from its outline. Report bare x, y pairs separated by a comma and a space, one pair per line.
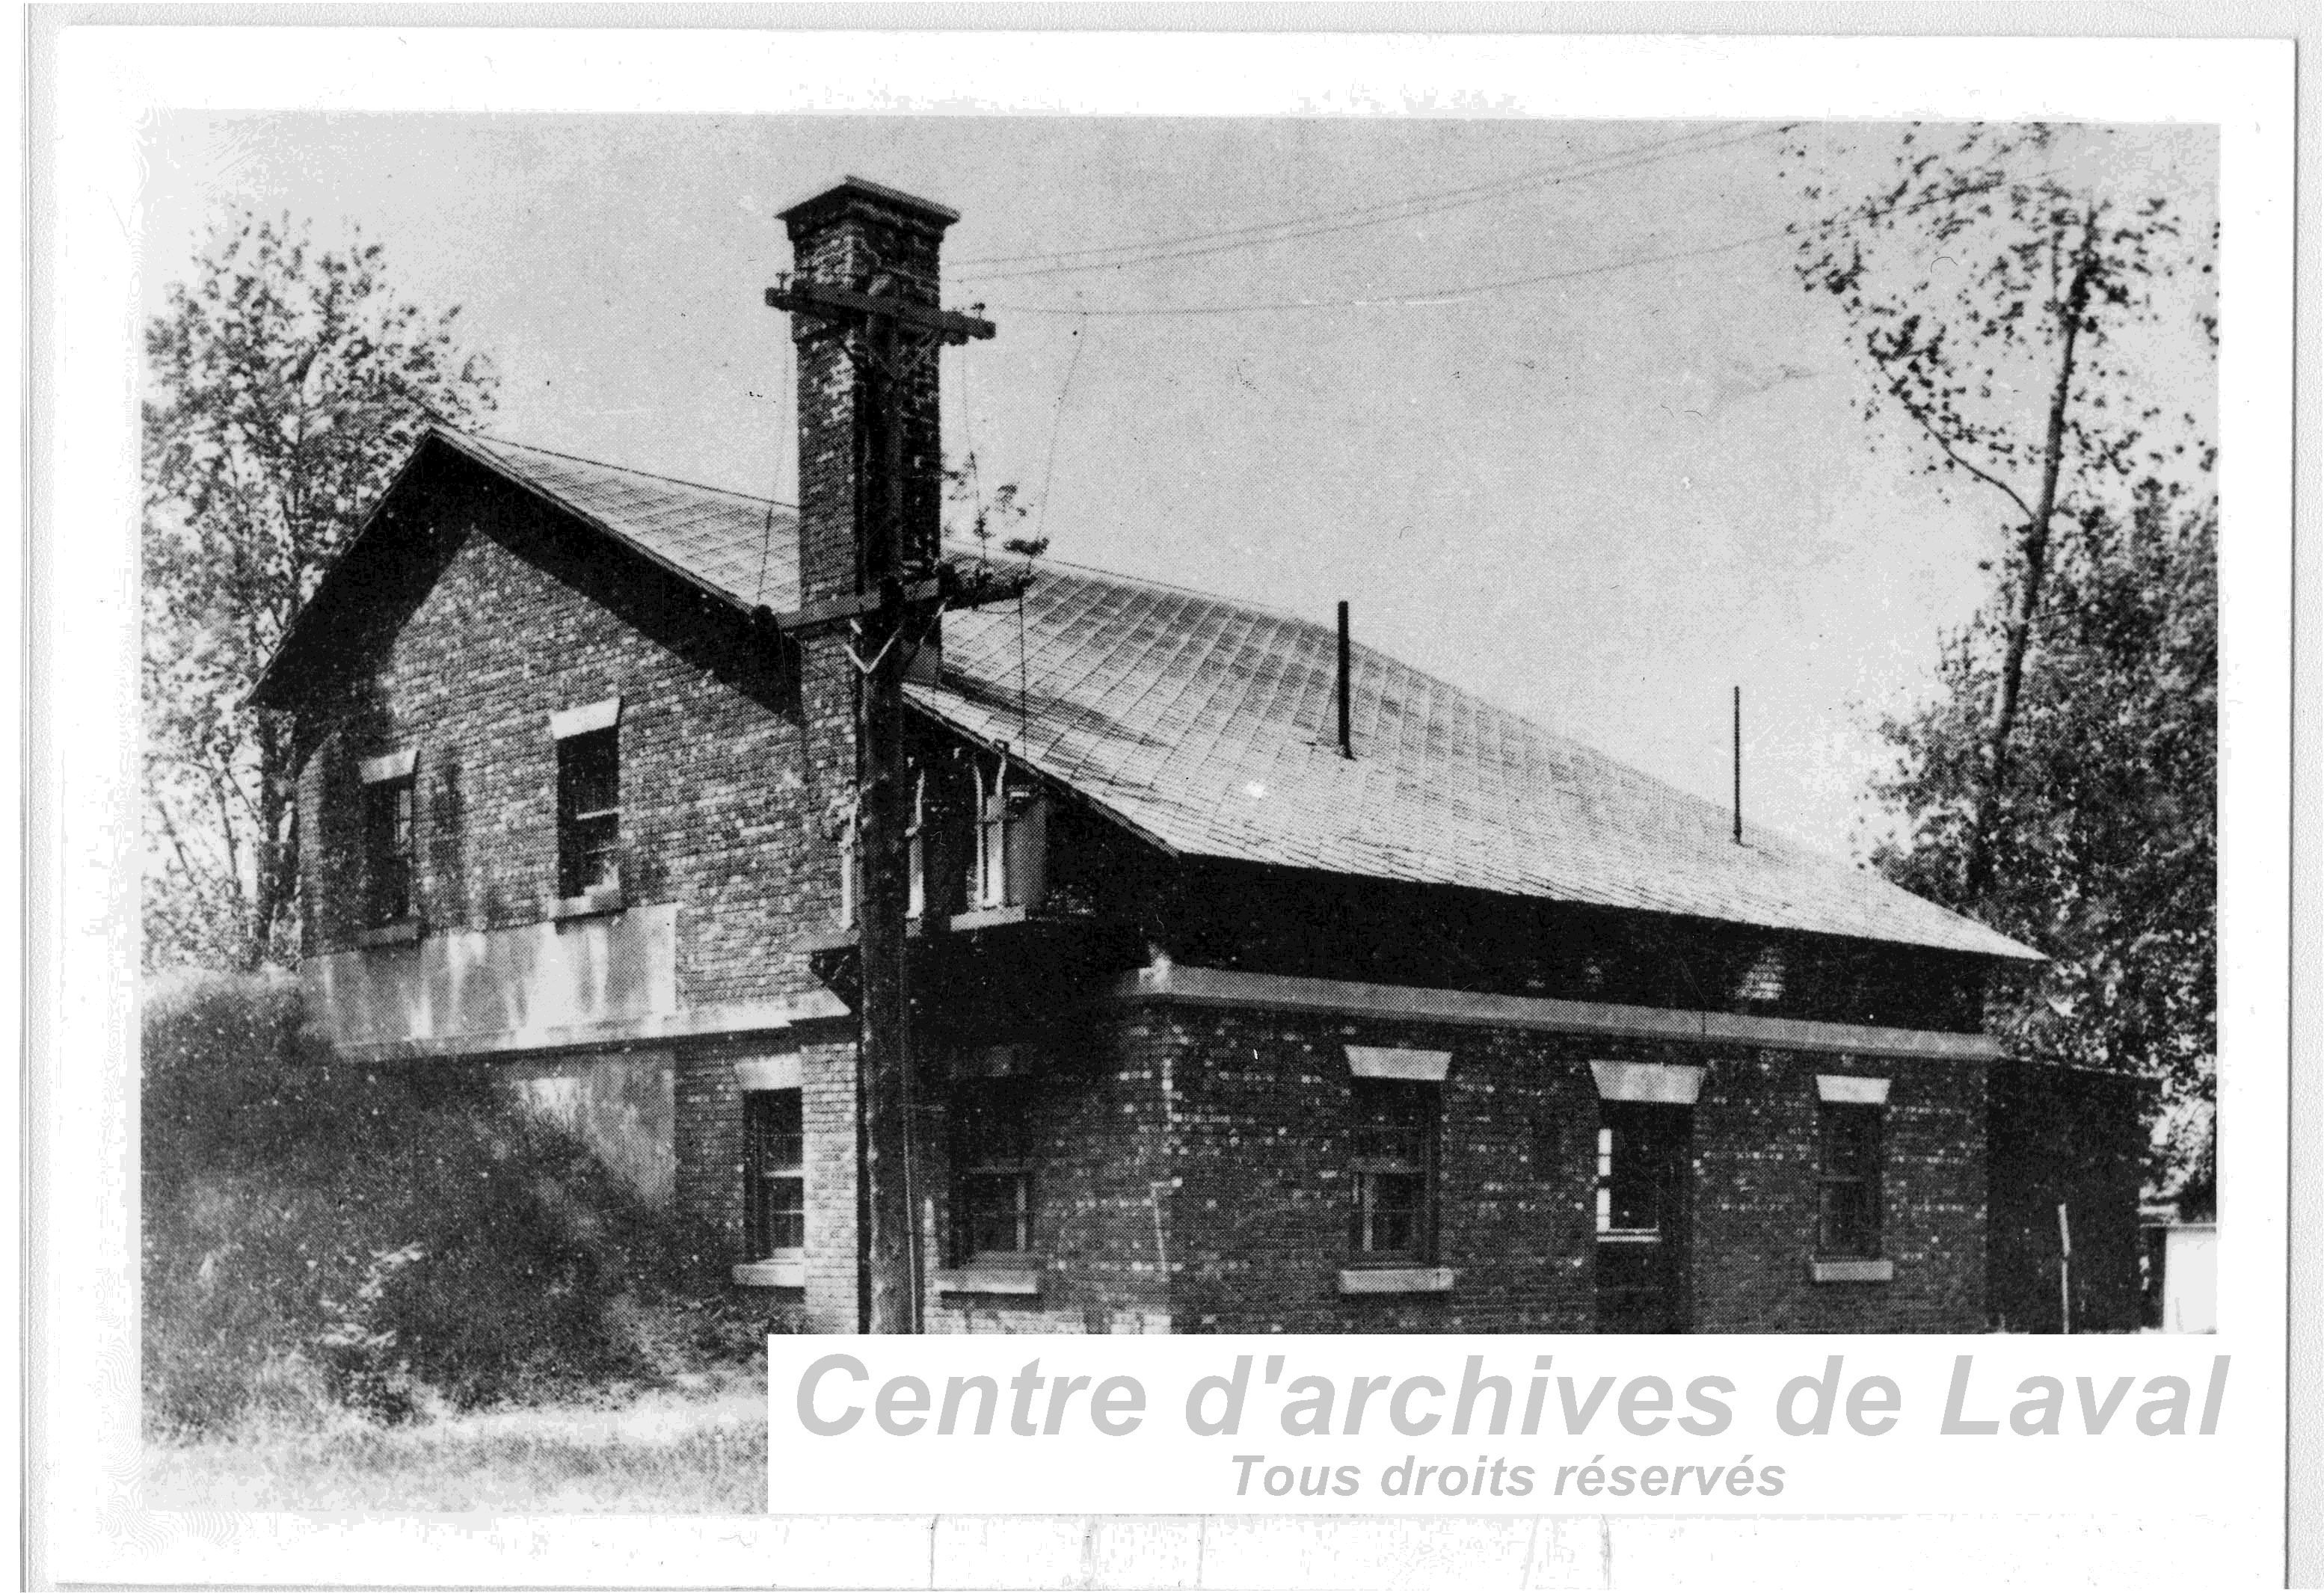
819, 298
958, 587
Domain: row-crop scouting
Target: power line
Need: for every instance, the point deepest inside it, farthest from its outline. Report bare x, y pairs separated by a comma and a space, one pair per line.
1352, 219
783, 434
968, 428
1056, 421
1420, 298
1517, 180
1432, 297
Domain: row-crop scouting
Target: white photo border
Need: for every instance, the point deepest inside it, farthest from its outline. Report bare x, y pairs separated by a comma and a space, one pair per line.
88, 1519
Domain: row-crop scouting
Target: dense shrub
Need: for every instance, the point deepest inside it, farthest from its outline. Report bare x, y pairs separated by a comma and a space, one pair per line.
385, 1238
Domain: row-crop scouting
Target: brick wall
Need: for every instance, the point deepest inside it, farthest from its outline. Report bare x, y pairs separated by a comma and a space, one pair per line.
716, 813
1756, 1153
1101, 1193
1259, 1107
726, 779
1262, 1107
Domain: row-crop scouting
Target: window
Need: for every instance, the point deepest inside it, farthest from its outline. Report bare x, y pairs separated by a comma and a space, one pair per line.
774, 1143
387, 851
1848, 1214
588, 813
1392, 1223
1629, 1195
993, 1199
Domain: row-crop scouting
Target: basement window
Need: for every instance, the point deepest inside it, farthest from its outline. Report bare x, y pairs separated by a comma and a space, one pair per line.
1848, 1177
588, 813
992, 1159
1392, 1223
774, 1139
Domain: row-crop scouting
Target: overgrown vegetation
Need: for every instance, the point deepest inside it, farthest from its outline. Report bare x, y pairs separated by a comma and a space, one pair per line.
2105, 848
394, 1241
2036, 308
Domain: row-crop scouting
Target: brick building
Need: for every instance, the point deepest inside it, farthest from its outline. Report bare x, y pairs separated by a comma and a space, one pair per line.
1220, 1025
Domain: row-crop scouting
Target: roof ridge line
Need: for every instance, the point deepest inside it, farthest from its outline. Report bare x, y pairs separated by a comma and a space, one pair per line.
699, 486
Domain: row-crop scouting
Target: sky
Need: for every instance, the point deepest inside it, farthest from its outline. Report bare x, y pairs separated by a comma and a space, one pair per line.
1603, 497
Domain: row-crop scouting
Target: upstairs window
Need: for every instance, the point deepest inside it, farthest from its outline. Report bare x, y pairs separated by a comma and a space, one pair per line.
1849, 1172
387, 851
1393, 1220
588, 812
992, 1188
774, 1140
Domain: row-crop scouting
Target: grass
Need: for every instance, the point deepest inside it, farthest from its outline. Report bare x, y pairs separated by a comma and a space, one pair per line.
700, 1450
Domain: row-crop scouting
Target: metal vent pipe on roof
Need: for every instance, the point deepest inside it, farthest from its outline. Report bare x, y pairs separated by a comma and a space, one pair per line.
1346, 739
1738, 766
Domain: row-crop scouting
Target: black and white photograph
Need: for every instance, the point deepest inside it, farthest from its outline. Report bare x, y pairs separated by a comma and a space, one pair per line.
1549, 731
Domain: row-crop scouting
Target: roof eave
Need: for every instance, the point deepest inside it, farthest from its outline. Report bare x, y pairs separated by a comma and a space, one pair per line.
1072, 787
269, 684
468, 449
270, 690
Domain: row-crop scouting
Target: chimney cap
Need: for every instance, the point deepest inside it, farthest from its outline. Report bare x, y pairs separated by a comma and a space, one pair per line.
847, 190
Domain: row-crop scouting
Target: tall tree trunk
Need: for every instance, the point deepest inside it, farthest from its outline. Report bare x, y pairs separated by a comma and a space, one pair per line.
271, 893
2033, 553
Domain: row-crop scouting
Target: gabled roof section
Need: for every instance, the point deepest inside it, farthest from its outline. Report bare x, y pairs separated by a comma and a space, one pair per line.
743, 549
1209, 726
740, 550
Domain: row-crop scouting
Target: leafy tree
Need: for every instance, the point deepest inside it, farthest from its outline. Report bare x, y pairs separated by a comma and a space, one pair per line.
2104, 848
286, 384
1987, 288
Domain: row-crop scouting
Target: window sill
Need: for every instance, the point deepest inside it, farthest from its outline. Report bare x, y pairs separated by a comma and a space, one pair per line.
403, 932
783, 1271
985, 1278
604, 900
1851, 1272
1396, 1280
997, 916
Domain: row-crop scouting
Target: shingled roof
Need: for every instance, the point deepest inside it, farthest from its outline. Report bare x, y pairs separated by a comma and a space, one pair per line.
1208, 725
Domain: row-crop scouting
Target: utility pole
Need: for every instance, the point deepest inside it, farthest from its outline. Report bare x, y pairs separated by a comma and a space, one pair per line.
902, 592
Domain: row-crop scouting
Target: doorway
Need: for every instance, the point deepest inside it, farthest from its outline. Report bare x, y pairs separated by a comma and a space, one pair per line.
1643, 1216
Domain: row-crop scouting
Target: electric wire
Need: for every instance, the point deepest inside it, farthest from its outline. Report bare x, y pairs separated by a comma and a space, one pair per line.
1452, 294
1056, 423
1348, 217
783, 436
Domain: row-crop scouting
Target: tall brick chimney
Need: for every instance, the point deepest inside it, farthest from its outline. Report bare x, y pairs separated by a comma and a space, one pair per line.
867, 323
860, 236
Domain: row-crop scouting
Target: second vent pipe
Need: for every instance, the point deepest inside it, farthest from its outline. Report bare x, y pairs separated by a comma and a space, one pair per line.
1347, 740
